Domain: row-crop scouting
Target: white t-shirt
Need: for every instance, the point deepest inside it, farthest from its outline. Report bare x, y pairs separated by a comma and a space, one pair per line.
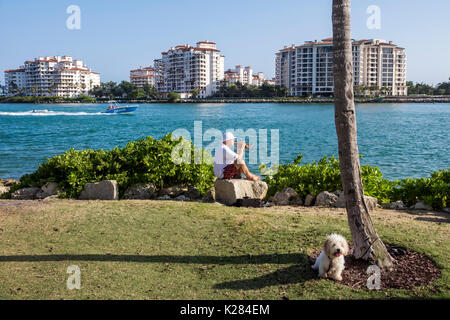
223, 157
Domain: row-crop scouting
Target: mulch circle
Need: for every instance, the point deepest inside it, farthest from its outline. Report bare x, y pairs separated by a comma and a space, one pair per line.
411, 269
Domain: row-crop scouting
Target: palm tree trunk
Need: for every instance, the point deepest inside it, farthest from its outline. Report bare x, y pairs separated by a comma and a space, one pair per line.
367, 244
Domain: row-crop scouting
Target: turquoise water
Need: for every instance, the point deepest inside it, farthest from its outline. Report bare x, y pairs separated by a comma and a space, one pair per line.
404, 140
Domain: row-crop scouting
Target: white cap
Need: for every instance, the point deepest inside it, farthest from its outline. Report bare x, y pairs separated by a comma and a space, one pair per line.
228, 136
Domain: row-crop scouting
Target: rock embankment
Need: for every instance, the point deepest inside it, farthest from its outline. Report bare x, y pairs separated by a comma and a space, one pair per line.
239, 192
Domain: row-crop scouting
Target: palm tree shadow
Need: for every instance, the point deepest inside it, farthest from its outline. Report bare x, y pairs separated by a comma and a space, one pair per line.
283, 258
298, 273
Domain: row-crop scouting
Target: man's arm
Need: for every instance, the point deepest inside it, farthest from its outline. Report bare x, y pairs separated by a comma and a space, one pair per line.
240, 151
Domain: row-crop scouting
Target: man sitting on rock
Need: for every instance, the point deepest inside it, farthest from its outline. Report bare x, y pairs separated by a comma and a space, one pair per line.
228, 164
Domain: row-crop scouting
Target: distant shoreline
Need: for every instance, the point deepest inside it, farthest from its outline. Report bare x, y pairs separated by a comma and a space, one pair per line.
407, 99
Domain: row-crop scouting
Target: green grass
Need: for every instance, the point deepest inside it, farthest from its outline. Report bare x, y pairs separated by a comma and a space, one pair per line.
184, 250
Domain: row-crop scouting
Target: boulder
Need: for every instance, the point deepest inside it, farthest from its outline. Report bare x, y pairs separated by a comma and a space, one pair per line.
209, 196
25, 193
103, 190
397, 205
141, 191
340, 202
182, 198
173, 191
371, 202
3, 189
10, 182
193, 193
47, 190
50, 188
285, 197
422, 206
309, 200
326, 199
228, 191
446, 210
164, 197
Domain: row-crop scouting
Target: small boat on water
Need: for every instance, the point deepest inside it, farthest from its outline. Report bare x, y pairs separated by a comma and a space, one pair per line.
114, 107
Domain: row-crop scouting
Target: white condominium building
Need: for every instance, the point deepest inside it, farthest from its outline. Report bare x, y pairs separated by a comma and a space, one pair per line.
142, 76
51, 76
185, 68
308, 68
244, 75
241, 74
258, 79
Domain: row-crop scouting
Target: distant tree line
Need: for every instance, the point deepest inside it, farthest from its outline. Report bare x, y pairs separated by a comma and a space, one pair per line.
124, 89
127, 90
239, 90
442, 88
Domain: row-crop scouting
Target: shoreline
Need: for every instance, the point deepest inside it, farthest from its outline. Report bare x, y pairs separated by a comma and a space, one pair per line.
412, 99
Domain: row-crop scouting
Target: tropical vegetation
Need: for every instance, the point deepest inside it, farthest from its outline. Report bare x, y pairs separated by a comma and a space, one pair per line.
147, 160
324, 175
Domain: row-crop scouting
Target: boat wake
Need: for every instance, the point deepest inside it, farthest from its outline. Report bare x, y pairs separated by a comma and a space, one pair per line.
46, 112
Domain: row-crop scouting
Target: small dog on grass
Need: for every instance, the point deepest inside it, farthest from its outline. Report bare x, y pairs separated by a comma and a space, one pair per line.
330, 262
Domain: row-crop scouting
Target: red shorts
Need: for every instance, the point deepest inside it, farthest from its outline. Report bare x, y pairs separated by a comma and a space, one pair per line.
230, 172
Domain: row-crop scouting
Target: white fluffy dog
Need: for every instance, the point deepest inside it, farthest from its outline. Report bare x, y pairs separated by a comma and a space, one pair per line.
330, 262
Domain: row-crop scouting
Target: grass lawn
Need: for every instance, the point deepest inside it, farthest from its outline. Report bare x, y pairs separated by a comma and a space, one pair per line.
186, 250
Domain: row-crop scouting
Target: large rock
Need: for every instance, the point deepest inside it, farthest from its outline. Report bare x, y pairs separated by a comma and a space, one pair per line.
47, 190
173, 191
141, 191
228, 191
193, 193
209, 196
326, 199
10, 182
340, 202
309, 200
3, 190
422, 206
25, 193
50, 188
371, 202
104, 190
397, 205
285, 197
182, 198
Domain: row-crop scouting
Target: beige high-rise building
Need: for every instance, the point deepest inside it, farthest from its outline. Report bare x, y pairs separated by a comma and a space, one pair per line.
142, 76
308, 68
185, 68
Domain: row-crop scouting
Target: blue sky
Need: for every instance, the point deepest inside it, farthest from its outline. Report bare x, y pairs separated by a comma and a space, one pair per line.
116, 36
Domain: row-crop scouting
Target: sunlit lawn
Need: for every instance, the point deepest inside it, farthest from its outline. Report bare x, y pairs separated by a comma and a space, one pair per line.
187, 250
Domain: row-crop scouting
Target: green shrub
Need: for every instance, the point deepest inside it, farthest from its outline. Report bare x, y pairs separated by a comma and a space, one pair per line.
173, 97
434, 191
324, 175
144, 161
